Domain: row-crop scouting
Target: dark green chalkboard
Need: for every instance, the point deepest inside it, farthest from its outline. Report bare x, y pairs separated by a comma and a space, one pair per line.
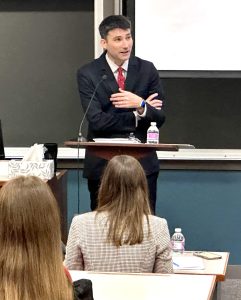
43, 43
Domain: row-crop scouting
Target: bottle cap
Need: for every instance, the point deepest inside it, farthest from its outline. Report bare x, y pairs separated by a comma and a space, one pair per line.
178, 230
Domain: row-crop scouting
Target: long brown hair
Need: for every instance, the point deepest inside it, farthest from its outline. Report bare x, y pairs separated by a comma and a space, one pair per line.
30, 243
123, 194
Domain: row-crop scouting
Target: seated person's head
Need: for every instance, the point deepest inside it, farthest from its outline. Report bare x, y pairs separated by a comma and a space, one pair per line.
123, 193
124, 184
30, 239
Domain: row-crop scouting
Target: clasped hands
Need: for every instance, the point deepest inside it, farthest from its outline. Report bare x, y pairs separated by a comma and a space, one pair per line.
125, 99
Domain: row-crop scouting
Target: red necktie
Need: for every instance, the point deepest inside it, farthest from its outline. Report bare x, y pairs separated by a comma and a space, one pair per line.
121, 78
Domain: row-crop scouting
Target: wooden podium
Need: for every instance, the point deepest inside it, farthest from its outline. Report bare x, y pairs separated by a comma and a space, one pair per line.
108, 150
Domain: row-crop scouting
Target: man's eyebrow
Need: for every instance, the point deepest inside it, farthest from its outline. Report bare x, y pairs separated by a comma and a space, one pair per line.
120, 36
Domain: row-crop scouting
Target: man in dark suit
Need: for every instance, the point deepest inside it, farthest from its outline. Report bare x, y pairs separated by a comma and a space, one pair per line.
129, 96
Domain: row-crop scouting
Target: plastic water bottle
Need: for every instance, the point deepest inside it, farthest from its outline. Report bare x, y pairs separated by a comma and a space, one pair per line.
178, 241
152, 134
131, 136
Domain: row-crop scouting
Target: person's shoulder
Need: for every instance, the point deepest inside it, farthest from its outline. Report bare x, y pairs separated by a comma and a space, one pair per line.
157, 220
85, 69
88, 67
142, 65
84, 217
89, 64
138, 60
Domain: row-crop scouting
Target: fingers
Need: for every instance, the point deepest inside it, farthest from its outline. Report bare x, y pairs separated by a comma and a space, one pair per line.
120, 100
151, 100
121, 92
118, 97
121, 104
125, 99
155, 103
121, 96
152, 96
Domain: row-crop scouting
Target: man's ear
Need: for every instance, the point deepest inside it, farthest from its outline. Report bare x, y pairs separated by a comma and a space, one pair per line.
103, 43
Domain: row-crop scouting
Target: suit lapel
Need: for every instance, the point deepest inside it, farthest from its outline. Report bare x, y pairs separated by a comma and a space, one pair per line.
132, 74
110, 83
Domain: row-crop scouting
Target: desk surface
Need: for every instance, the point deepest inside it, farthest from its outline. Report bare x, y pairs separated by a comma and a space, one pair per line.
182, 154
217, 267
116, 286
184, 159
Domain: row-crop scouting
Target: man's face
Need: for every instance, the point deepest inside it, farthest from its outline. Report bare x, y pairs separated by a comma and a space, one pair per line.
118, 44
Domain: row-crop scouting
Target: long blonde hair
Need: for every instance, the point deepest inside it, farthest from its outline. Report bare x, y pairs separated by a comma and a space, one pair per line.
30, 250
123, 194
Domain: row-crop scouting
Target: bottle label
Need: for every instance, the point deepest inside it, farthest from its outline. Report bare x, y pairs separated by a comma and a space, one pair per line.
178, 245
152, 135
178, 242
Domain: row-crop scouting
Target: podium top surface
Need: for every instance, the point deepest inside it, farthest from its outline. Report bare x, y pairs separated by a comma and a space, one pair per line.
107, 150
157, 147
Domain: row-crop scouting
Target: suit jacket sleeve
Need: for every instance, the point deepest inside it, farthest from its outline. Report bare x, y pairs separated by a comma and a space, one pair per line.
163, 261
104, 119
154, 86
102, 115
74, 258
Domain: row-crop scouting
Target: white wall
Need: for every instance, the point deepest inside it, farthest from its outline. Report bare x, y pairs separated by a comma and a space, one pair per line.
189, 34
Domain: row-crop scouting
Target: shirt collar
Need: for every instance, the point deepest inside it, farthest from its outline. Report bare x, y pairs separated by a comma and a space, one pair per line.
114, 67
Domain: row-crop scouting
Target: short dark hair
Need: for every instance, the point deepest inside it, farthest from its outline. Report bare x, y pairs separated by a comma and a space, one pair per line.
113, 22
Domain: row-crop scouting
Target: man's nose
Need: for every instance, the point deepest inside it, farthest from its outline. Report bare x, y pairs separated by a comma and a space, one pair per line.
125, 44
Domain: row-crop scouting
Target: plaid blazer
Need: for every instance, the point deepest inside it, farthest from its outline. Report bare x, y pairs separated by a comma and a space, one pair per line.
87, 248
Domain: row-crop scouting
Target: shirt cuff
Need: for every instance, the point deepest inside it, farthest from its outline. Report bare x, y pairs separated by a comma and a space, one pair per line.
143, 114
137, 117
